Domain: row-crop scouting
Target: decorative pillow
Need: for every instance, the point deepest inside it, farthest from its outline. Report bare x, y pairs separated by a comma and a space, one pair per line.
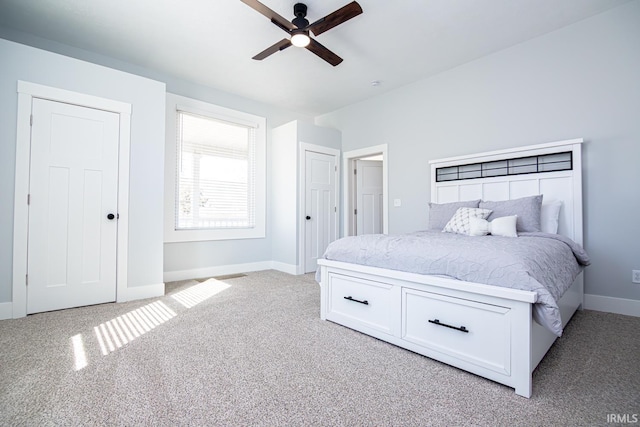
459, 223
527, 209
504, 226
549, 215
441, 213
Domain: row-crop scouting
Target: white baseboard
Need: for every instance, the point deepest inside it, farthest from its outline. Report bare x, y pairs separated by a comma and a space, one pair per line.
6, 310
223, 270
624, 306
285, 268
140, 292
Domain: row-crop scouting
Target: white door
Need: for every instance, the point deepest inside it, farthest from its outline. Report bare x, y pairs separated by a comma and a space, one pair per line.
320, 206
368, 197
73, 189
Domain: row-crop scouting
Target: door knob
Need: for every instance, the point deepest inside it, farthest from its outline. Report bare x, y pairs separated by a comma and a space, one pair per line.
110, 216
308, 217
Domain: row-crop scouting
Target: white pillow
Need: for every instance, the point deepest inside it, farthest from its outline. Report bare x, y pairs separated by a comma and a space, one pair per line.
549, 216
459, 223
504, 226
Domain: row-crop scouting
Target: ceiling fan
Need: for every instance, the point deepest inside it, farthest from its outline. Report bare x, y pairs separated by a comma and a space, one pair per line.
299, 28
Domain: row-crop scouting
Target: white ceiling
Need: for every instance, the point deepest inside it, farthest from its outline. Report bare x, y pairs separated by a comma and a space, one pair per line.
211, 42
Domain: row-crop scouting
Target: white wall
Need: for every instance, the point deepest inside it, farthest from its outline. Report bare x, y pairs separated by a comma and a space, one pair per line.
20, 62
580, 81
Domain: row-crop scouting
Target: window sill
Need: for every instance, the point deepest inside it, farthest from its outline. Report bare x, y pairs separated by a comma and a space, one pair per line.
175, 236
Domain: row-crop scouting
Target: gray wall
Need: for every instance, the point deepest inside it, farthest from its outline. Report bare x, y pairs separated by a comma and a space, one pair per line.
188, 255
198, 255
285, 207
580, 81
146, 96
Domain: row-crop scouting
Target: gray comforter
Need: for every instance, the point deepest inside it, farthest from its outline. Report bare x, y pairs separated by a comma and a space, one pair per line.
544, 263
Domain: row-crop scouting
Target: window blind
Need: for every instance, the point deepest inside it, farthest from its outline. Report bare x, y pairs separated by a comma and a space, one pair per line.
216, 173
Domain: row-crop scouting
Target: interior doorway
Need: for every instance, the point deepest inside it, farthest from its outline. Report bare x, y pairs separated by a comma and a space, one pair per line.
365, 196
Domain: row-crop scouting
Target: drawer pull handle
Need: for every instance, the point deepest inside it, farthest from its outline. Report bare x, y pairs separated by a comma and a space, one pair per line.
365, 302
437, 322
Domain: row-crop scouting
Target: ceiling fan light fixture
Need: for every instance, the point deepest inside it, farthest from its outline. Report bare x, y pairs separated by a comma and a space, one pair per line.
300, 39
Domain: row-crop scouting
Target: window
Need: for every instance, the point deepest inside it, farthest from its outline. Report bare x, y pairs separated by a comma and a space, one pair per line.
215, 173
218, 172
517, 166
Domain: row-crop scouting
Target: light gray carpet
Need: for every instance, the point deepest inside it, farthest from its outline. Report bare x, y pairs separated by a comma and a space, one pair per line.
257, 353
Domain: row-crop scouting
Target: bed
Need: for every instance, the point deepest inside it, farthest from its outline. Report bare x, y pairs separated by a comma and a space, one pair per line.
452, 313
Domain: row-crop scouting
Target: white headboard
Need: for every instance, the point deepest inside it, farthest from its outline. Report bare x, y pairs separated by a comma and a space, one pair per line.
469, 177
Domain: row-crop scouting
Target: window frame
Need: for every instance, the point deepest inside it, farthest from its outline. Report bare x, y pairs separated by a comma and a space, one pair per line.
177, 103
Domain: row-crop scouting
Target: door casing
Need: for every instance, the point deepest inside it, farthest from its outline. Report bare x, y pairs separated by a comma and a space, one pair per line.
26, 92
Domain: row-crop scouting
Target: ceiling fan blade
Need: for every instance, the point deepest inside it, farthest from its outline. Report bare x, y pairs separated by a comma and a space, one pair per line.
324, 53
341, 15
273, 16
281, 45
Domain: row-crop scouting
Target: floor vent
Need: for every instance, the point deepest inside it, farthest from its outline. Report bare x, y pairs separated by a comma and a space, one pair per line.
230, 276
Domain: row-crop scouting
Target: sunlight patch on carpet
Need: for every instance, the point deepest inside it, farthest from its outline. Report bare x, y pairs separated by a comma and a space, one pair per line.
79, 354
117, 332
194, 295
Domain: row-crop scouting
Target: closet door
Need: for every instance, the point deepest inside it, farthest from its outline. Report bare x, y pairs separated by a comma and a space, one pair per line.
320, 206
73, 193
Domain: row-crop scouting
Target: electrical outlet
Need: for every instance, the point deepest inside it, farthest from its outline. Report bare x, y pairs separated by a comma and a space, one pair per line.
635, 276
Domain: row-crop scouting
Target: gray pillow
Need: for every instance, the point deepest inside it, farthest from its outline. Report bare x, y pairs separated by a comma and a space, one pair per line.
527, 208
441, 213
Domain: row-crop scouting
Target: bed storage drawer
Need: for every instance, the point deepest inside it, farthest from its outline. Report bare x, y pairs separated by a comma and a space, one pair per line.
467, 330
363, 305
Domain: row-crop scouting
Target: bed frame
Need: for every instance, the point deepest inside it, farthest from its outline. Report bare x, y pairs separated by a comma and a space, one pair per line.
485, 330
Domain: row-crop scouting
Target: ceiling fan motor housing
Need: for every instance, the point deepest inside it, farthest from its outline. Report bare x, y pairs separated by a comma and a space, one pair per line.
300, 10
